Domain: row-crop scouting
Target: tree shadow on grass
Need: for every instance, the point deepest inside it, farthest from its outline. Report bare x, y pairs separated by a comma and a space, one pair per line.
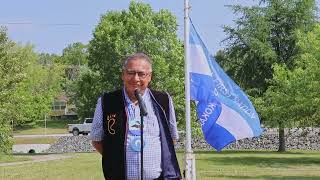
272, 162
263, 177
247, 151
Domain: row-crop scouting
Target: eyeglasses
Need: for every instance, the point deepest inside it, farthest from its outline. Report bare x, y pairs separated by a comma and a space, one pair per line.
141, 74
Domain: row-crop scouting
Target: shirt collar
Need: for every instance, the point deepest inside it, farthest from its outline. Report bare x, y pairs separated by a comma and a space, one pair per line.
129, 102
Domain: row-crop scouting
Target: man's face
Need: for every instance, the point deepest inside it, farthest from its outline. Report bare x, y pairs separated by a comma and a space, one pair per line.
136, 75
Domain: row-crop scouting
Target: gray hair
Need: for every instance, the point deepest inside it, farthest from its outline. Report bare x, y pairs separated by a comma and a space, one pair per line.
136, 56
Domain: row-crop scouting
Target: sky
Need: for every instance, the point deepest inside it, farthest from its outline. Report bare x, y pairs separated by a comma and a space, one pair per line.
51, 25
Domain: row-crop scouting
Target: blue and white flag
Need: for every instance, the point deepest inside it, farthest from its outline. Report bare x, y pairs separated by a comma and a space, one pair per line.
225, 112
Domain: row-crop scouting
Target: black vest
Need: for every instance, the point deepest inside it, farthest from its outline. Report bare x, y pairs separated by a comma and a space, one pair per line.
115, 134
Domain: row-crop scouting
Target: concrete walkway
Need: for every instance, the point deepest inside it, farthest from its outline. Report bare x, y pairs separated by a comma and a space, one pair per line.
39, 158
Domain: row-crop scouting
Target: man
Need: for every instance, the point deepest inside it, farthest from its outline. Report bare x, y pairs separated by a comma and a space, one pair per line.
116, 127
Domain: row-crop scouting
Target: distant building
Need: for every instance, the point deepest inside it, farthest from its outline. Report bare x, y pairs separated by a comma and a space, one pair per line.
61, 109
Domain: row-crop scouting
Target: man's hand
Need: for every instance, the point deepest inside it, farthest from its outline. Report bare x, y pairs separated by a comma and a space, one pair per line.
98, 146
174, 141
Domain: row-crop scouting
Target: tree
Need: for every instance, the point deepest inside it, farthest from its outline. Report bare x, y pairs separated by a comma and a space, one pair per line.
37, 91
47, 59
265, 35
11, 74
75, 54
34, 94
294, 94
138, 29
308, 65
293, 97
84, 91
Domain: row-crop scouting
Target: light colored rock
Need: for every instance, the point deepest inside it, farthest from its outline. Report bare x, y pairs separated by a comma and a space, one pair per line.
267, 141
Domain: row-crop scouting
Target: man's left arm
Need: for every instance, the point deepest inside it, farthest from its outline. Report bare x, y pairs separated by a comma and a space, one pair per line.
173, 122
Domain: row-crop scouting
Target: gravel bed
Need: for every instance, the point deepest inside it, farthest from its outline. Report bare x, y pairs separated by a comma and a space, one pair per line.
71, 144
296, 138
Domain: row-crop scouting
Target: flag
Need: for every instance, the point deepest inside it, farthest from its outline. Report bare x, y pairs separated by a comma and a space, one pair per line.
224, 111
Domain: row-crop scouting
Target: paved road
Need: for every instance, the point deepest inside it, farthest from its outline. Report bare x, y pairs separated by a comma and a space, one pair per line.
43, 135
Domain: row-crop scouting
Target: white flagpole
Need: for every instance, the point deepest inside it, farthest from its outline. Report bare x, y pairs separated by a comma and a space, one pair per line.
189, 157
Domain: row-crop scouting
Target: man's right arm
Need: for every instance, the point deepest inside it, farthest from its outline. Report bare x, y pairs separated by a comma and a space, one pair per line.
97, 132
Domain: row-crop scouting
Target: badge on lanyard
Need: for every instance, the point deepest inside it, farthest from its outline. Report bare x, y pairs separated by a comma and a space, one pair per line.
134, 127
135, 143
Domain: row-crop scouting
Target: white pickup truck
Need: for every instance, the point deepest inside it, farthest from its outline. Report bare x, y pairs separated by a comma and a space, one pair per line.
84, 128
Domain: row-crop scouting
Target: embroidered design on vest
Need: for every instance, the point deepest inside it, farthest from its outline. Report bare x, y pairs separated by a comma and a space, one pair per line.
111, 121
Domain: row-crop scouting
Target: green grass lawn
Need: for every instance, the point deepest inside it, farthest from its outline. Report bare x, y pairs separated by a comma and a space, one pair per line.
258, 165
12, 158
34, 140
52, 127
210, 165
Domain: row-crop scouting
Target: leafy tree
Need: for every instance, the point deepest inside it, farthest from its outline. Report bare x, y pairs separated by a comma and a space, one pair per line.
84, 91
36, 93
308, 63
47, 59
27, 87
33, 95
297, 90
265, 35
75, 54
293, 97
138, 29
11, 74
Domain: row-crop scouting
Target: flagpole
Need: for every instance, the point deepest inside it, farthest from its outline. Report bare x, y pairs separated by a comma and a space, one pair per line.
189, 157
